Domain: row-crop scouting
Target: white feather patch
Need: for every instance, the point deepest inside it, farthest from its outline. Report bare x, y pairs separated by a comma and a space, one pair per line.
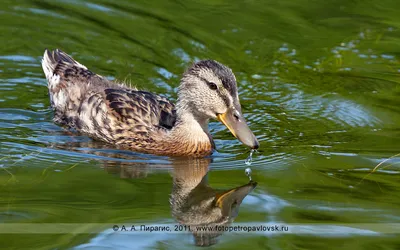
54, 80
60, 99
79, 65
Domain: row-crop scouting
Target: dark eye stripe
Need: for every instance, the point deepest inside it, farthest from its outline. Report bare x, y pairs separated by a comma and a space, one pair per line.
226, 100
212, 85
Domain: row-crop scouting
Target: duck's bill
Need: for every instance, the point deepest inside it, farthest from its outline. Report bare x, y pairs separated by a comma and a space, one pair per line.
235, 197
238, 127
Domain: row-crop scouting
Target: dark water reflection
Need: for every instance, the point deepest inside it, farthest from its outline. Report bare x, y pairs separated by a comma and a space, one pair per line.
196, 206
319, 85
200, 209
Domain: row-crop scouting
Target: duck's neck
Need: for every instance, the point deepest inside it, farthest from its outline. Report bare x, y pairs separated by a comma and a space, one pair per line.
194, 125
191, 134
188, 176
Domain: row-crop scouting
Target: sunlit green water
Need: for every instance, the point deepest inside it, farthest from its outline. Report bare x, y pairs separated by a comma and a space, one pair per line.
318, 82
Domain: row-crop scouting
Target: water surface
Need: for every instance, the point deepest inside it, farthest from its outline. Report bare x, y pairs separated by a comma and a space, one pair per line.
319, 86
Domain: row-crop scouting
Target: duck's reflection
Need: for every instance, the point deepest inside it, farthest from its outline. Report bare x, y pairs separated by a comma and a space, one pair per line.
194, 204
203, 209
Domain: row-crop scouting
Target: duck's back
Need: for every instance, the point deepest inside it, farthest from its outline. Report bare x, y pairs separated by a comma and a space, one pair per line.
92, 104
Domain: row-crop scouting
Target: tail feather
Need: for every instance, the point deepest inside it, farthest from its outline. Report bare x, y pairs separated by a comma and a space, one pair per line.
66, 79
48, 64
52, 59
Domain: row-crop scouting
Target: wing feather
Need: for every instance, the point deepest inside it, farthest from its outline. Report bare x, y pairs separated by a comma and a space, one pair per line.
142, 111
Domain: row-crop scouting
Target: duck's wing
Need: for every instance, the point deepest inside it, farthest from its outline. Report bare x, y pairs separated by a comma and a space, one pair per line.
140, 110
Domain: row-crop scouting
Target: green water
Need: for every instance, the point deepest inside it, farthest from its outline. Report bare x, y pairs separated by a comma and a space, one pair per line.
318, 83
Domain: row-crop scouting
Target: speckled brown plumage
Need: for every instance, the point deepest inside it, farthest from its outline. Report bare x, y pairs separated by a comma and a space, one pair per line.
130, 118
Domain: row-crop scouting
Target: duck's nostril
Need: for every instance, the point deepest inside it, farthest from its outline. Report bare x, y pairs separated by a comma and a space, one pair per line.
236, 115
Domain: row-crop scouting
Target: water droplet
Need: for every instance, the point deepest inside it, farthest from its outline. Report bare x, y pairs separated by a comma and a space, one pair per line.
249, 159
247, 171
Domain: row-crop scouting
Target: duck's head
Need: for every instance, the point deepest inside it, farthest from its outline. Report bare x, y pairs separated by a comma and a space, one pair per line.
208, 90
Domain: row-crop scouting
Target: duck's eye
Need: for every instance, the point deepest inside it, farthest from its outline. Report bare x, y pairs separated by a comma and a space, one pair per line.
212, 85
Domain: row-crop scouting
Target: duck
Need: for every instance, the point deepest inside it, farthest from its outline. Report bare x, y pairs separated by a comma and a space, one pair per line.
142, 121
200, 208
